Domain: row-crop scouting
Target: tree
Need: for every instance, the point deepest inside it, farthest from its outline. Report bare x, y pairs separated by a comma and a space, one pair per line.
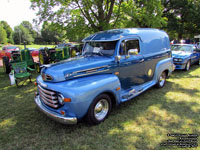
8, 30
97, 14
50, 34
143, 14
22, 34
183, 17
3, 35
29, 26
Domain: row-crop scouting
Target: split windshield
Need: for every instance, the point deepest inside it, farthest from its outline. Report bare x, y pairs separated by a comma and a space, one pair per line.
185, 48
100, 48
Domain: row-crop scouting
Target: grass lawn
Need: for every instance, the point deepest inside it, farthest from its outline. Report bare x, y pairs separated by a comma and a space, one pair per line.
142, 123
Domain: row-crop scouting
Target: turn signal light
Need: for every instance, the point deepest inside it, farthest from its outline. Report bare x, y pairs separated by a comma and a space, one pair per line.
62, 112
117, 89
67, 99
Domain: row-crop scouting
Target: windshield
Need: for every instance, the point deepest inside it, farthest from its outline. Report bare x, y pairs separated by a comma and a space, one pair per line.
185, 48
100, 48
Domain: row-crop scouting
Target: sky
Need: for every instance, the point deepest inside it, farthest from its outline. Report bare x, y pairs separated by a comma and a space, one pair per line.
16, 11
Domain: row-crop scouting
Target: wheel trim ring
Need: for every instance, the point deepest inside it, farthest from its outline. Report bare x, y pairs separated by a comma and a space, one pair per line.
188, 66
162, 79
101, 109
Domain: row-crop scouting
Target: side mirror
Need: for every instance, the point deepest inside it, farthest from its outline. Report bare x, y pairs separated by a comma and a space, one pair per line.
117, 58
133, 52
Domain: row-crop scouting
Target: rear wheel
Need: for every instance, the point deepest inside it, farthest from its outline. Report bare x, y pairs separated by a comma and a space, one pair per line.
99, 109
161, 80
43, 57
187, 66
6, 64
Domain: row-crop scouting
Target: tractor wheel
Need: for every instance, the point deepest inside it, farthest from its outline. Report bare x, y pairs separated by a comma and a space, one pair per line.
43, 57
6, 64
37, 67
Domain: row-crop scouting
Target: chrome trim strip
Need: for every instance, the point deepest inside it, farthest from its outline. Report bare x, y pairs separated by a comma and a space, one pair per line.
48, 100
49, 92
49, 104
51, 97
91, 69
91, 73
53, 115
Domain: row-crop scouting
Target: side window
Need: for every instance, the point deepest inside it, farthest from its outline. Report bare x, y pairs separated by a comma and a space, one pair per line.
129, 45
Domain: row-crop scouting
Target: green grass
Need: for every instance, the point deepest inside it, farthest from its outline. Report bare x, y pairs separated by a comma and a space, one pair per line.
35, 46
142, 123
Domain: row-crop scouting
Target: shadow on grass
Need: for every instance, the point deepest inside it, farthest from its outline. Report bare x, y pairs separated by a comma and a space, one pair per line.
141, 123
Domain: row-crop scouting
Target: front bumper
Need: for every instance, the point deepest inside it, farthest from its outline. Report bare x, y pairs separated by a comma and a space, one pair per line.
180, 65
55, 116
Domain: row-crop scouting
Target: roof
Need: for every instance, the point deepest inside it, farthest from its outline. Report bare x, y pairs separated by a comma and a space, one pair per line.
116, 34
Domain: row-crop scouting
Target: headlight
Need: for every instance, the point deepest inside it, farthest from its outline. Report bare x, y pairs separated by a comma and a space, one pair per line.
178, 59
61, 99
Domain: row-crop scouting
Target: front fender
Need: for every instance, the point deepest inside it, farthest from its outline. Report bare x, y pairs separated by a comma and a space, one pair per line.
165, 64
82, 91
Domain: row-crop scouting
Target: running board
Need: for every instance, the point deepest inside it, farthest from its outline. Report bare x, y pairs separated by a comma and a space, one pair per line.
136, 90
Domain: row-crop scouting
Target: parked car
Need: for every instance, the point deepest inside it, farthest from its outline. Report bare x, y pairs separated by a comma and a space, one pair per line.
184, 55
7, 50
115, 66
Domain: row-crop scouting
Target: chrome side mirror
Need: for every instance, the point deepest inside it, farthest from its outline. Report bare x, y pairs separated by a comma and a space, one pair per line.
133, 52
117, 58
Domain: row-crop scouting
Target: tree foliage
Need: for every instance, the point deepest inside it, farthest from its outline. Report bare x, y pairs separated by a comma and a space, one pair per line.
97, 14
3, 35
183, 17
143, 14
51, 33
8, 30
22, 34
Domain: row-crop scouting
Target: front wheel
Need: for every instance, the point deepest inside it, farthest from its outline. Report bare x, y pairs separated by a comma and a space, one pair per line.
187, 66
99, 109
161, 80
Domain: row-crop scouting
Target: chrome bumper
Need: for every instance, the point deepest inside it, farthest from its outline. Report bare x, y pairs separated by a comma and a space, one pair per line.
53, 115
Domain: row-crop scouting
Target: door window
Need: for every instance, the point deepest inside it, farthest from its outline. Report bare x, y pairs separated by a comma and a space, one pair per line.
129, 45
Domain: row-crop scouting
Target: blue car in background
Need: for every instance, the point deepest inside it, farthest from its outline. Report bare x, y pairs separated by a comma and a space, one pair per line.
184, 55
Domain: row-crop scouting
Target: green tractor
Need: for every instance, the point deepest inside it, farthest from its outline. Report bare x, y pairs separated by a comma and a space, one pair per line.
60, 52
18, 56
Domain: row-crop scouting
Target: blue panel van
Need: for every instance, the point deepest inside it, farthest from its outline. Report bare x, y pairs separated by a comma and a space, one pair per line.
115, 66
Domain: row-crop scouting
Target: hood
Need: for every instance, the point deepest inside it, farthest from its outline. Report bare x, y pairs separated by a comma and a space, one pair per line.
76, 67
180, 54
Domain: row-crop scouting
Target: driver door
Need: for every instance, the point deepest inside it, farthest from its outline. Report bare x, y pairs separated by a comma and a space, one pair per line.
131, 65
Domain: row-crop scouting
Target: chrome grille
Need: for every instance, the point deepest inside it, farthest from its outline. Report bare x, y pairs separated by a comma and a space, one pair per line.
48, 97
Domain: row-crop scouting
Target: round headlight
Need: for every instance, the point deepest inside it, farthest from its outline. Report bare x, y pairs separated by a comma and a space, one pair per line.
61, 99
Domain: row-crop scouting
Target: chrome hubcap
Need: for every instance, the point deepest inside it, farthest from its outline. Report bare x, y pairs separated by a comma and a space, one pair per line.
101, 109
188, 66
162, 79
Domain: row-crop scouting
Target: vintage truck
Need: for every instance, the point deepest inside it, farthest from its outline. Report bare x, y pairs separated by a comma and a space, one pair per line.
115, 66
